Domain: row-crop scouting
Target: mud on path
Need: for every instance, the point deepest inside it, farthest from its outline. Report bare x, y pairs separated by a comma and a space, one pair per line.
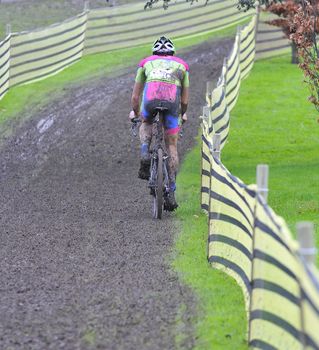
83, 264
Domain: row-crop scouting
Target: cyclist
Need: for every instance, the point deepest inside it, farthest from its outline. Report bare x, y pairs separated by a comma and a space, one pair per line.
163, 79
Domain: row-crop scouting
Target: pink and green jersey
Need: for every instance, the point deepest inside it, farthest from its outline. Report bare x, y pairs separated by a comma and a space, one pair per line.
163, 76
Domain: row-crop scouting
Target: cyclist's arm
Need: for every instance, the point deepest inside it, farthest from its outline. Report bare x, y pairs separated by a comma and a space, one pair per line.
135, 101
184, 99
185, 93
137, 90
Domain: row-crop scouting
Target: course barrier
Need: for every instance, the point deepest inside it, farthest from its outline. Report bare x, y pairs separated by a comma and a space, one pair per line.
270, 40
127, 26
39, 54
246, 239
29, 56
221, 100
4, 65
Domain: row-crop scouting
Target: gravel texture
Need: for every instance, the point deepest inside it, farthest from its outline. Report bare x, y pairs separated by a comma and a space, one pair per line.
83, 264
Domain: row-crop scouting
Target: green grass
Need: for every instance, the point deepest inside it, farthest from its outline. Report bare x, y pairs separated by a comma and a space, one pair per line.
272, 123
89, 338
279, 127
30, 97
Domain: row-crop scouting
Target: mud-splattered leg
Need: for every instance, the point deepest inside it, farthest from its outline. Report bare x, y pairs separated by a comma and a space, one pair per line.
171, 145
145, 138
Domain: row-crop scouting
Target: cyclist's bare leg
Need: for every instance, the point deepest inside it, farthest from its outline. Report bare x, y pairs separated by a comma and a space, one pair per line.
171, 145
145, 137
146, 133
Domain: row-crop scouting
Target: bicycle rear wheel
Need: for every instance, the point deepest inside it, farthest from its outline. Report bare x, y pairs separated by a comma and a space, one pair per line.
158, 198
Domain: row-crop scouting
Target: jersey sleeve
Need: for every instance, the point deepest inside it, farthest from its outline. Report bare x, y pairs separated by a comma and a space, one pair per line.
140, 75
185, 81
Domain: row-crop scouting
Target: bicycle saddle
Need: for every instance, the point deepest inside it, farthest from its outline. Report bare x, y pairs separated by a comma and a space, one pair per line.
161, 109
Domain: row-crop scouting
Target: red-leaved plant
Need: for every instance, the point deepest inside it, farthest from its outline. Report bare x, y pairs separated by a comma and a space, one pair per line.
299, 21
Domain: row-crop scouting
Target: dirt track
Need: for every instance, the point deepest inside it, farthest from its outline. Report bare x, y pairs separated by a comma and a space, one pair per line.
83, 265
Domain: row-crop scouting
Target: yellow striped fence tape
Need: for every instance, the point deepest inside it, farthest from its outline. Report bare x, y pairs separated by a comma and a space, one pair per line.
246, 239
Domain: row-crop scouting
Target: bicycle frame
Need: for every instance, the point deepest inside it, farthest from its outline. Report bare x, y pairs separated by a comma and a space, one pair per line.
159, 178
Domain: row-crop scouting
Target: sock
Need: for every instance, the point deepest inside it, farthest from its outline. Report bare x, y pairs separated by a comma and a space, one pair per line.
144, 149
172, 186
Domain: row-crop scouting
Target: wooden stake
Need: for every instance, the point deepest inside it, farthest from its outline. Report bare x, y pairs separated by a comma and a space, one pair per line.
8, 29
86, 6
209, 89
262, 181
305, 235
206, 114
216, 146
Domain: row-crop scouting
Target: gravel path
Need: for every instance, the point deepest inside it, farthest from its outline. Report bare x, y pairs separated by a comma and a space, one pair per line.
83, 264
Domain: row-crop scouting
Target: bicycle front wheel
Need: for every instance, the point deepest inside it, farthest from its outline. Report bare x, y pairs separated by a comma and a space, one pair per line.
158, 198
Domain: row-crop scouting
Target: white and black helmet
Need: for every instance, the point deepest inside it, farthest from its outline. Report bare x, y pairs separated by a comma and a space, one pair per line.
163, 46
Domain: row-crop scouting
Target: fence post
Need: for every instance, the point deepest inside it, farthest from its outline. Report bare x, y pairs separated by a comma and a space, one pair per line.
239, 36
205, 117
209, 90
209, 200
262, 173
86, 6
305, 235
239, 46
215, 151
257, 19
262, 181
206, 114
308, 252
225, 67
216, 146
8, 29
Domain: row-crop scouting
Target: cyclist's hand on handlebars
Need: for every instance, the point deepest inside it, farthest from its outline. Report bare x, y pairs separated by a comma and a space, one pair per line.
184, 118
133, 117
134, 123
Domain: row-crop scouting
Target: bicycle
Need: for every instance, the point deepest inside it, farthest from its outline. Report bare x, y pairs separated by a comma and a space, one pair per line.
159, 180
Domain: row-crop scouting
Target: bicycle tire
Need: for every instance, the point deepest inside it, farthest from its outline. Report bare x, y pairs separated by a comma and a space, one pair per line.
158, 199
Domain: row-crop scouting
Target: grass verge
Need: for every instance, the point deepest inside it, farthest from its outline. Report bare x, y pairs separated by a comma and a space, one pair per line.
272, 123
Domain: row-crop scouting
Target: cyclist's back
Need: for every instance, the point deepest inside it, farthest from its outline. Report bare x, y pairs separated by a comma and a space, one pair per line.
163, 77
